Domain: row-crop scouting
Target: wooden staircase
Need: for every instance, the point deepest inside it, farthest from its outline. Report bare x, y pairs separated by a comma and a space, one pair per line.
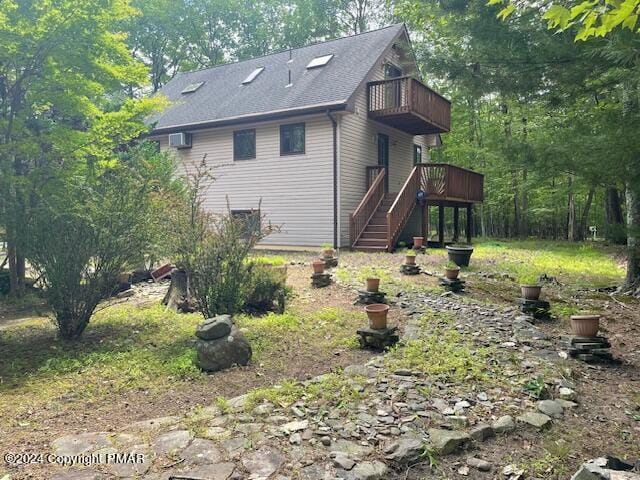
378, 221
374, 236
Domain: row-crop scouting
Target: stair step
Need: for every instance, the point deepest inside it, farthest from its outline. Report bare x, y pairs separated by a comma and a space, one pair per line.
364, 248
372, 242
382, 228
369, 235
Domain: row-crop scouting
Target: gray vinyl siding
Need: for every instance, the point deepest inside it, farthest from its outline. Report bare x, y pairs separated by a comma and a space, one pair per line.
359, 148
295, 191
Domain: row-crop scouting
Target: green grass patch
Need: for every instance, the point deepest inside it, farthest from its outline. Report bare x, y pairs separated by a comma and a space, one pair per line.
563, 310
333, 325
124, 348
333, 389
273, 260
442, 352
581, 264
553, 461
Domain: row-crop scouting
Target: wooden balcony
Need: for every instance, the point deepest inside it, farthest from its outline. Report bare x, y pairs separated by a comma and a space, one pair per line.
447, 183
408, 105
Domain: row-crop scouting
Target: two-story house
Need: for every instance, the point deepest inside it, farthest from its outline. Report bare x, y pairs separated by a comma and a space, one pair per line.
331, 140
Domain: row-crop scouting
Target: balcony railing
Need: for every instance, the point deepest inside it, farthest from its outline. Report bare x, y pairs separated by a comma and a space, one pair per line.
442, 181
409, 105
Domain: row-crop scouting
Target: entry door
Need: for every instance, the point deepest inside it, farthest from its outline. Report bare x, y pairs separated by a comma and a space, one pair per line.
383, 157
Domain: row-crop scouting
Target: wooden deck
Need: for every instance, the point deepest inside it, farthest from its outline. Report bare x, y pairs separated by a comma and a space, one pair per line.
448, 183
408, 105
381, 216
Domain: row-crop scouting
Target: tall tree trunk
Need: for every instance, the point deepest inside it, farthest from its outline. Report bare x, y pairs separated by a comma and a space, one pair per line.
524, 223
571, 213
516, 205
633, 236
582, 229
614, 230
16, 268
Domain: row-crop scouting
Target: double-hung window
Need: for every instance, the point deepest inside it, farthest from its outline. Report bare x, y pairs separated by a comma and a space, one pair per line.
244, 144
292, 139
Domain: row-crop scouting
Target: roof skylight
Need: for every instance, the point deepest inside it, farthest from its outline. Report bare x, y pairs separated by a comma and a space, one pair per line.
192, 87
320, 61
252, 76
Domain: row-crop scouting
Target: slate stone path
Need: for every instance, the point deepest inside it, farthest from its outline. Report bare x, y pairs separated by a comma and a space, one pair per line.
398, 415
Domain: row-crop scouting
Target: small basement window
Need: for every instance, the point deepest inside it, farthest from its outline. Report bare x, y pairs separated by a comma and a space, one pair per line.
192, 87
292, 139
250, 220
417, 154
252, 76
244, 144
320, 61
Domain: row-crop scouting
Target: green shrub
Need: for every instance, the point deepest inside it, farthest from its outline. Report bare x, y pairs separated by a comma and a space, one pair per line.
267, 289
82, 233
214, 248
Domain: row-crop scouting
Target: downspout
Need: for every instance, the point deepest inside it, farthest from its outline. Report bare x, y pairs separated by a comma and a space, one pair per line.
335, 178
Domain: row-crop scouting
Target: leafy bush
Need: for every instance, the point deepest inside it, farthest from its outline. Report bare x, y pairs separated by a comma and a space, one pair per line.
218, 273
267, 289
214, 248
83, 231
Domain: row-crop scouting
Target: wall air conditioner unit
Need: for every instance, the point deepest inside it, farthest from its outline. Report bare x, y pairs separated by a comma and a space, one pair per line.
180, 140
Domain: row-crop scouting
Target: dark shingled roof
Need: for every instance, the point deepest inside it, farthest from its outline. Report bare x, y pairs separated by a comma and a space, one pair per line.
222, 97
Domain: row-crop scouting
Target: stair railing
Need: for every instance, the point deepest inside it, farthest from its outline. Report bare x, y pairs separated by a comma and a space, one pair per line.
399, 212
360, 218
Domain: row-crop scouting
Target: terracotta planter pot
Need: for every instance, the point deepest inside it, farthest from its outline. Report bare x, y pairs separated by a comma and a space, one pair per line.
410, 259
418, 242
377, 313
530, 292
328, 252
451, 273
318, 266
459, 255
585, 325
373, 284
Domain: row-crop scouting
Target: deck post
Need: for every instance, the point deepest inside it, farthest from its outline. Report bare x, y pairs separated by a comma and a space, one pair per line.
441, 225
424, 231
469, 221
456, 224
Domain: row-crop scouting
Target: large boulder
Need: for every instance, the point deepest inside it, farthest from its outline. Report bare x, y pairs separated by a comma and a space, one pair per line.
221, 353
214, 328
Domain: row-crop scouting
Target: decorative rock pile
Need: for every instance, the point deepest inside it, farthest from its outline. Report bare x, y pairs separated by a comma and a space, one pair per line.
330, 261
378, 339
455, 285
409, 269
538, 309
367, 298
319, 280
221, 345
589, 349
